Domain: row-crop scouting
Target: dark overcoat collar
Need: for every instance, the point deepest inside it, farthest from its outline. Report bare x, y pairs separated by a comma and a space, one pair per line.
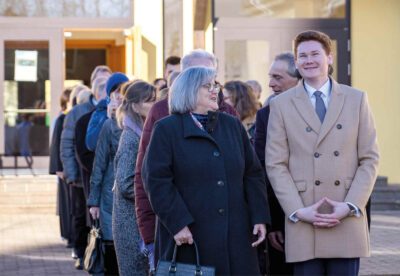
190, 129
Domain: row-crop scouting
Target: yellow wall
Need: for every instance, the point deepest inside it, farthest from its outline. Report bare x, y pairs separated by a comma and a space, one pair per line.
375, 37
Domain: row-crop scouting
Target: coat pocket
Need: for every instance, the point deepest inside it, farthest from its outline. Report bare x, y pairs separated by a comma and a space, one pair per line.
301, 186
347, 183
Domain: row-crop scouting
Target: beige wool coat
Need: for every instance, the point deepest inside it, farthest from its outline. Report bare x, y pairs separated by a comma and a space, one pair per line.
307, 160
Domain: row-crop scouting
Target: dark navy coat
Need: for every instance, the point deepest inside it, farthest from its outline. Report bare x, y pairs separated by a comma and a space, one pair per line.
211, 181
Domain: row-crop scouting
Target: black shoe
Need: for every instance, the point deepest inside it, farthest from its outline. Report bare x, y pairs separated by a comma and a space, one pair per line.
79, 263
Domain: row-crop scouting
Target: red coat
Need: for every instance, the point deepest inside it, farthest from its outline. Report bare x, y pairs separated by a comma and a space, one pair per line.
145, 216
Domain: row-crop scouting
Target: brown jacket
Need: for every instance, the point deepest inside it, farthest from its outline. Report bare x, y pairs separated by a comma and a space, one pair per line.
144, 212
307, 161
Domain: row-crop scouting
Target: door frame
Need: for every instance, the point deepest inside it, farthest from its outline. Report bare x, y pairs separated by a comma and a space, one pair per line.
55, 38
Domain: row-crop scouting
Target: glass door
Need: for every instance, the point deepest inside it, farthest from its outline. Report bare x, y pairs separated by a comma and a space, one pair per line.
26, 98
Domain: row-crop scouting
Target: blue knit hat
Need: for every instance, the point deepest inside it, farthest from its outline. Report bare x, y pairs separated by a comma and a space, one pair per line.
114, 81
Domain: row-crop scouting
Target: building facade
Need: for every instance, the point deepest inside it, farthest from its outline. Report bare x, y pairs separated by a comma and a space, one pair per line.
48, 45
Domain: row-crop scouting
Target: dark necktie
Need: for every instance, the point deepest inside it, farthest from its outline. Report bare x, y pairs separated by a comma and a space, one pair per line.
319, 106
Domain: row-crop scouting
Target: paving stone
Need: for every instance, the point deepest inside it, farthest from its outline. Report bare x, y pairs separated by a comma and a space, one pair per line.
30, 242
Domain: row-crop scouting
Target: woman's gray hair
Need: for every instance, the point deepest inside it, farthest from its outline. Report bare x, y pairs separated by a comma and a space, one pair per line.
184, 90
198, 57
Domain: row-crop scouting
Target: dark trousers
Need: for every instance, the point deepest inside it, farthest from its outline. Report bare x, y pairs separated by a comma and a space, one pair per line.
334, 267
110, 259
81, 230
86, 190
277, 262
64, 210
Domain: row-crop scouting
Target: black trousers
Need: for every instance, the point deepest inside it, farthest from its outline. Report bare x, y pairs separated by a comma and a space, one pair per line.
277, 262
81, 230
330, 267
110, 259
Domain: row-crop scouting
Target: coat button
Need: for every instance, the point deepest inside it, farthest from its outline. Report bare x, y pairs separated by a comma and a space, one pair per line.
221, 211
308, 129
316, 155
337, 182
220, 183
216, 153
336, 153
317, 182
339, 126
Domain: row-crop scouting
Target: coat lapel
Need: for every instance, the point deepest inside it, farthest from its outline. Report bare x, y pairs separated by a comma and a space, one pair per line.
190, 129
335, 107
305, 108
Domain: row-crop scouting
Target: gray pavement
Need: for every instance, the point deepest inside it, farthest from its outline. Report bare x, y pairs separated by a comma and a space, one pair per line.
30, 243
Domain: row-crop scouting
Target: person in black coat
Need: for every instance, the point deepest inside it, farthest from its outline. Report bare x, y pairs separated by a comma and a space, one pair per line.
283, 76
56, 167
204, 180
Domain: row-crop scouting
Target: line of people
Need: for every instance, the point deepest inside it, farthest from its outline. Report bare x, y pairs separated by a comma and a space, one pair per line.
187, 159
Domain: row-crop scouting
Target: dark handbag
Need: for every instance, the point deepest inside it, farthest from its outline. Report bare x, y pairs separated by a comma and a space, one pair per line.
93, 260
172, 268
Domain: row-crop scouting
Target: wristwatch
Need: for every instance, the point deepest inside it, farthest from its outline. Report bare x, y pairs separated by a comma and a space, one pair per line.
353, 210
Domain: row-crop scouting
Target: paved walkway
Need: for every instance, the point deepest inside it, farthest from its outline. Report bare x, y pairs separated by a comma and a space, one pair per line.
30, 242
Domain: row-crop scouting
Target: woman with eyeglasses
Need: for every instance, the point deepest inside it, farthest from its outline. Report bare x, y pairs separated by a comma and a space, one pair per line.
204, 180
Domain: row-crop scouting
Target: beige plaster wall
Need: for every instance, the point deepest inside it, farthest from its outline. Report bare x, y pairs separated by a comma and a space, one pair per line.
375, 38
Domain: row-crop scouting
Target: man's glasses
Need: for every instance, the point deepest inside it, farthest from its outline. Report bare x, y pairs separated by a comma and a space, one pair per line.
212, 87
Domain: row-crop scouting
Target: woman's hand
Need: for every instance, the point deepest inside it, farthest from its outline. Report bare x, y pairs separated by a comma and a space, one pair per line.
94, 212
261, 231
184, 236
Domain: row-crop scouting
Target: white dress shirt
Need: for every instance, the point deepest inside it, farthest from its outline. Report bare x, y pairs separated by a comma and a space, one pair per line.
325, 89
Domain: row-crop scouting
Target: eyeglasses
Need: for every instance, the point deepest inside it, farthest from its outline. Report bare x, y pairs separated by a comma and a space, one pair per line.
212, 87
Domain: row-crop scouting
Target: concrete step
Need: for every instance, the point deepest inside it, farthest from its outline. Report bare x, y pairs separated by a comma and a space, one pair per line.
31, 209
383, 205
388, 193
385, 196
381, 181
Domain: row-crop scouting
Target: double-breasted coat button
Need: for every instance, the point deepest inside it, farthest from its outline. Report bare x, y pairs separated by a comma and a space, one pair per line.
339, 126
337, 182
316, 155
317, 182
220, 183
336, 153
308, 129
216, 153
221, 211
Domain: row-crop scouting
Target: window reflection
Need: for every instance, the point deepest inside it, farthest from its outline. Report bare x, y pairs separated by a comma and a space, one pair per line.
281, 8
67, 8
26, 102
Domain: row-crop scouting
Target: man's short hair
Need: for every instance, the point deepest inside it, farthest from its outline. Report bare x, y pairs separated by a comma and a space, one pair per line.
97, 70
192, 59
289, 59
173, 60
320, 37
312, 35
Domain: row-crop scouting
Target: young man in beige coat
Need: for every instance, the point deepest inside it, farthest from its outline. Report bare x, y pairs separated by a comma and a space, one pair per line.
322, 159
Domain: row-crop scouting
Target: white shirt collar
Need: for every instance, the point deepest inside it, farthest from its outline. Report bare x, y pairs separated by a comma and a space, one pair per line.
325, 89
